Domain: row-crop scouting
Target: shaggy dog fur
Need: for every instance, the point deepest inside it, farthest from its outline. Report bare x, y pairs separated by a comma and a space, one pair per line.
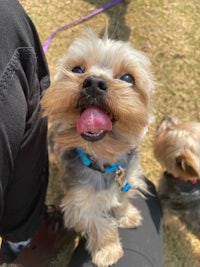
100, 106
177, 148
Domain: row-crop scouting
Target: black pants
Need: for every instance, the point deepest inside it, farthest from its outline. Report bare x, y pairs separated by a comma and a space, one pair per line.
23, 146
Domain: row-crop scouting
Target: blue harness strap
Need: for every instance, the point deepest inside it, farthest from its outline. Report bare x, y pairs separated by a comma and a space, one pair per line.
83, 157
113, 168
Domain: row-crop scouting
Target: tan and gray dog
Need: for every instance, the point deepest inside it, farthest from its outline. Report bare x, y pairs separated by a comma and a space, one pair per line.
100, 106
177, 149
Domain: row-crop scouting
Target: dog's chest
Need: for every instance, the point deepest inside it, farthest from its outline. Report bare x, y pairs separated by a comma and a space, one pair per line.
76, 174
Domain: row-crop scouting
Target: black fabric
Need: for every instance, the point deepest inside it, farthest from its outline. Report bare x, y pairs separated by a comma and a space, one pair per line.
23, 154
6, 254
143, 246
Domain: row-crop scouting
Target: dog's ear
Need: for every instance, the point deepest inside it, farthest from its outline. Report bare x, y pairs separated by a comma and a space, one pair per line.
188, 164
167, 123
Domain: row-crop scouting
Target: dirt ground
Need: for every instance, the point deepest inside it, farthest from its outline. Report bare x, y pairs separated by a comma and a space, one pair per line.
169, 32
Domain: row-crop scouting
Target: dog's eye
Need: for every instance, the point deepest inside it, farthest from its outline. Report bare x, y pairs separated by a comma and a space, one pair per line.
77, 69
127, 78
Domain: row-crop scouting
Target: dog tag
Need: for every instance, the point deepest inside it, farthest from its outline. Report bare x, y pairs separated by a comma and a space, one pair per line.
119, 176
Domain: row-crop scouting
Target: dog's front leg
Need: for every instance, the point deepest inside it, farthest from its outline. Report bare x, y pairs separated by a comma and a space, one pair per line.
127, 215
103, 243
85, 212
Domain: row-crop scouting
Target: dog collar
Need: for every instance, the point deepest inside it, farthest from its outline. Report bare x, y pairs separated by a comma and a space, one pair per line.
117, 168
193, 181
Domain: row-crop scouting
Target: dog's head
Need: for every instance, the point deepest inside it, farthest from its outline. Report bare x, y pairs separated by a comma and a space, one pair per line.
102, 95
177, 147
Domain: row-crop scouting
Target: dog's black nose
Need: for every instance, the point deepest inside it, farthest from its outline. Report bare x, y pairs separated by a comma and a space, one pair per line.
94, 85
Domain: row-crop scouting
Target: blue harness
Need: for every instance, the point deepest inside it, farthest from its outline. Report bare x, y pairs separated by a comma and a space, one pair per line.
117, 168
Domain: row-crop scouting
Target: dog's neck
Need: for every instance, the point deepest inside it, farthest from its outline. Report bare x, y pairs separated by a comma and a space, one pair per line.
192, 181
88, 161
117, 168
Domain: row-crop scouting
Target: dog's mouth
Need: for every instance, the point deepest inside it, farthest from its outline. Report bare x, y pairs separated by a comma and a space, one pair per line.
94, 123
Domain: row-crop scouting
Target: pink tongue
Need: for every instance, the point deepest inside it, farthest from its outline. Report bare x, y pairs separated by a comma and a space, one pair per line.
93, 120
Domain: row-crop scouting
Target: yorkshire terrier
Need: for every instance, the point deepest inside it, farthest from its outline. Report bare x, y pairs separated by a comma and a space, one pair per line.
177, 149
100, 106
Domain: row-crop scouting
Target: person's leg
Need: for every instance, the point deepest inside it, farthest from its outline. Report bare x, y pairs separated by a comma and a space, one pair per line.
143, 246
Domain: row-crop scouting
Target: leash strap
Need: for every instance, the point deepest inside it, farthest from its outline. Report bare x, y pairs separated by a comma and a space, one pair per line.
68, 25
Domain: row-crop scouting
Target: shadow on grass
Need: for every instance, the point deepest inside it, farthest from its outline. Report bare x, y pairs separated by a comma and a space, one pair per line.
117, 28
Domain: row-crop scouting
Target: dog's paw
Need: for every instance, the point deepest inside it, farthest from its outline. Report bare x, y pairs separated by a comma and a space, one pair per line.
107, 255
131, 219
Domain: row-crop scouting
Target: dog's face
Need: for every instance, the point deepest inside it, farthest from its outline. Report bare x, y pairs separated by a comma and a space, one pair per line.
177, 147
102, 95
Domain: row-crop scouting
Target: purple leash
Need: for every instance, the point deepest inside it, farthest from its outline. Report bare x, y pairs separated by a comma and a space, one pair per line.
64, 27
